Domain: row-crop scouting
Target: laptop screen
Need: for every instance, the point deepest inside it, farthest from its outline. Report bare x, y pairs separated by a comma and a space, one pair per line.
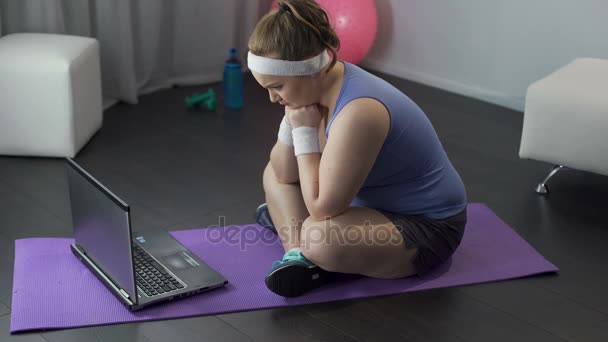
102, 227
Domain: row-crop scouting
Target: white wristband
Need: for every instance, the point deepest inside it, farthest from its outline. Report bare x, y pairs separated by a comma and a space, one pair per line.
285, 133
305, 140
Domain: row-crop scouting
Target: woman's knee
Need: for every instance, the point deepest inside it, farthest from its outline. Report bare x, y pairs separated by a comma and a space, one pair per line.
268, 178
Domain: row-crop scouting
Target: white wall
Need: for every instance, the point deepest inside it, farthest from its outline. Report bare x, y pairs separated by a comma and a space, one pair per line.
487, 49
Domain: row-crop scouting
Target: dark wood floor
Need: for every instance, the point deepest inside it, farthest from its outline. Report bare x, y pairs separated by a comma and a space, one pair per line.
184, 169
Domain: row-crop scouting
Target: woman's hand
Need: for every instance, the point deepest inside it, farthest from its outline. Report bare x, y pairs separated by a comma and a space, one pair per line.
307, 116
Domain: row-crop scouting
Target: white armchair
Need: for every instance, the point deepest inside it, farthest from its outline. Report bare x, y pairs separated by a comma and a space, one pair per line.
566, 119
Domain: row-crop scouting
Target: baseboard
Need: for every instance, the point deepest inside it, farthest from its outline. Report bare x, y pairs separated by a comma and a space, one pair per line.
108, 102
497, 98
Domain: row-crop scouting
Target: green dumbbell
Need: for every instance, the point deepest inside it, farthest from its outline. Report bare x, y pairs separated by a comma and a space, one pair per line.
207, 99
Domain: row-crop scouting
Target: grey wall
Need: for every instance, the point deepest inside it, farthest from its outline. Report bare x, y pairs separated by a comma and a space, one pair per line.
487, 49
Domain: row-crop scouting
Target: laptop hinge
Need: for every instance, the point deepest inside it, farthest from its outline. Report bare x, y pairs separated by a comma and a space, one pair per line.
124, 293
99, 274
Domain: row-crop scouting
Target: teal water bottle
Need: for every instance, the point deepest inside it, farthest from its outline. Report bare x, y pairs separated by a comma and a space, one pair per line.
233, 82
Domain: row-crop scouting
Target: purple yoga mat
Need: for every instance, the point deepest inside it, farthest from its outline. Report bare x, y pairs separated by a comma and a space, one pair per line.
73, 297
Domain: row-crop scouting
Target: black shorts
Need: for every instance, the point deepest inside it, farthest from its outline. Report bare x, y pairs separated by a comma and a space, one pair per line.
436, 240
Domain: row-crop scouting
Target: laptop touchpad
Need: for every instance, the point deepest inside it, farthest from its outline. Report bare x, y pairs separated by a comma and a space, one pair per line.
180, 261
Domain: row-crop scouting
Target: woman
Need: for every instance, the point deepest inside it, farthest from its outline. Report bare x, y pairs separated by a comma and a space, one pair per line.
358, 181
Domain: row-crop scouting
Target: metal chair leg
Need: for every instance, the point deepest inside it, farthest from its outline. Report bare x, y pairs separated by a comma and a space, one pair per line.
542, 188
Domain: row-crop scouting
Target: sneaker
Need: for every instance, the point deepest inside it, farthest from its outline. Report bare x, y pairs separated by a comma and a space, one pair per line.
262, 217
295, 275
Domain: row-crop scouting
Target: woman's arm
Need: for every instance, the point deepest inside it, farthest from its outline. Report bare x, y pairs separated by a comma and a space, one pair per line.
329, 183
284, 163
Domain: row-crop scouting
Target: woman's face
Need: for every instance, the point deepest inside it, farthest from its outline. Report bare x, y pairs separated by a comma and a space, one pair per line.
291, 91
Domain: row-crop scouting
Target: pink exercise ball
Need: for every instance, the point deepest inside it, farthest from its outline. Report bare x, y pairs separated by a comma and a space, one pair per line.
355, 23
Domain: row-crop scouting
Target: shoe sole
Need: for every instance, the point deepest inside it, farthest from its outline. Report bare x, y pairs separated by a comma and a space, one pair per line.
292, 280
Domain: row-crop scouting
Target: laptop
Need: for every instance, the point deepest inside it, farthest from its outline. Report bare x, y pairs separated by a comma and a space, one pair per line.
140, 269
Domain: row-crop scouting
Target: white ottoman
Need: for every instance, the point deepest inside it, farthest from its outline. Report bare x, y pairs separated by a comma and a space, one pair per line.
50, 94
566, 118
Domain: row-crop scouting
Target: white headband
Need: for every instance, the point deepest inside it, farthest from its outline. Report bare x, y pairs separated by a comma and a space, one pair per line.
279, 67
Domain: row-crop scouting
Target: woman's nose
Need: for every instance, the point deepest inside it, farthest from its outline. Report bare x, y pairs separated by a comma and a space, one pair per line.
274, 97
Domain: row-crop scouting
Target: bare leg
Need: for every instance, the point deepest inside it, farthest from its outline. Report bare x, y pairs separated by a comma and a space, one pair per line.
360, 241
286, 207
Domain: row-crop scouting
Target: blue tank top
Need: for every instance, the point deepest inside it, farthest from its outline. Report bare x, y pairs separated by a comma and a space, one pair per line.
412, 174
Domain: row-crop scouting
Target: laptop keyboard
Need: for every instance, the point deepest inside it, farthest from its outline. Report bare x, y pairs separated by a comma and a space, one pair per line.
152, 278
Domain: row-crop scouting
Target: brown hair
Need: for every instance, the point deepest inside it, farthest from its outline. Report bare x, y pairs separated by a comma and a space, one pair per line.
299, 30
